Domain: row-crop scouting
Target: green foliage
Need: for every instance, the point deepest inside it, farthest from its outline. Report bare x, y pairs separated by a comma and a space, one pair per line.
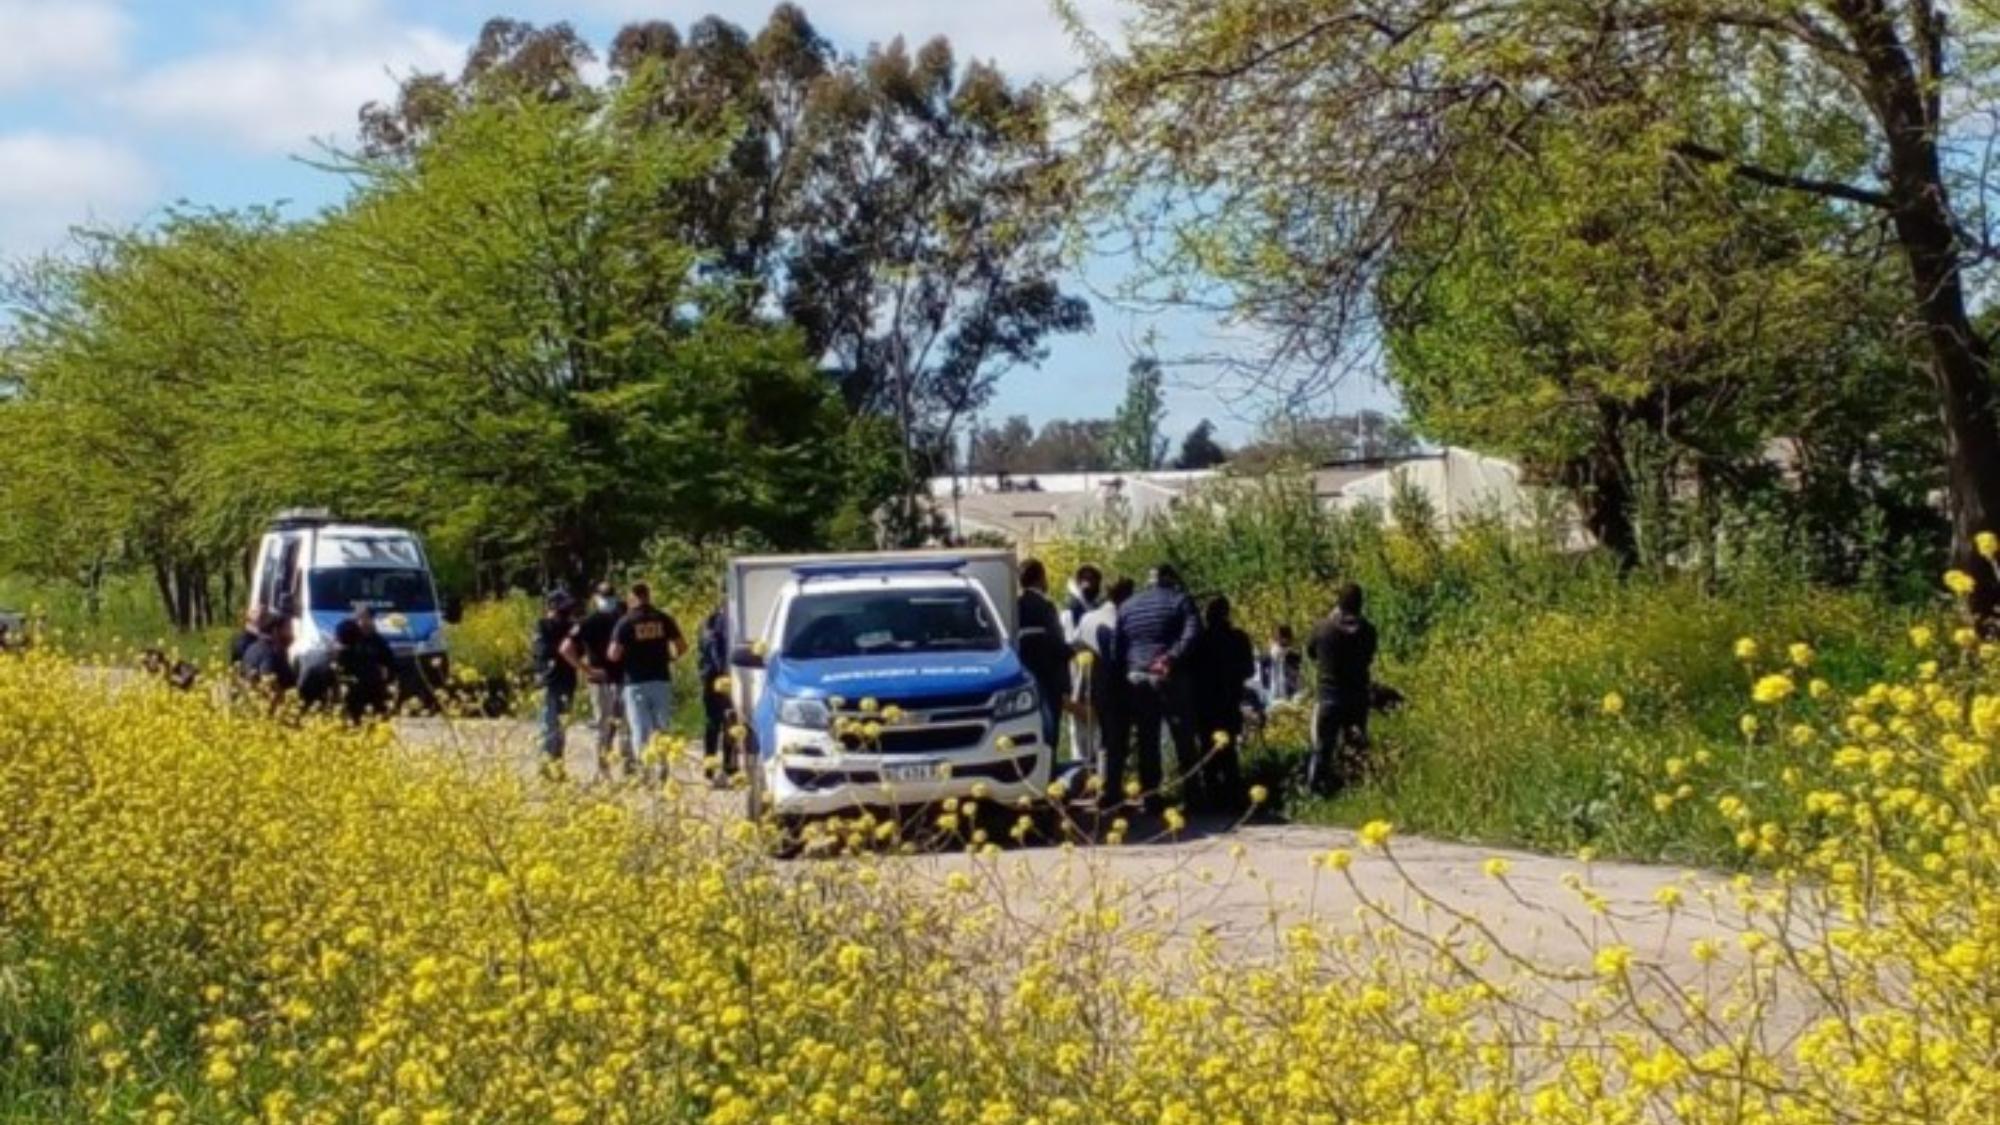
1506, 649
1283, 158
1506, 741
492, 640
1136, 442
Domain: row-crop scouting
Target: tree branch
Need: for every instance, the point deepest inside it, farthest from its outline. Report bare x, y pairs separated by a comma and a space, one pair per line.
1831, 189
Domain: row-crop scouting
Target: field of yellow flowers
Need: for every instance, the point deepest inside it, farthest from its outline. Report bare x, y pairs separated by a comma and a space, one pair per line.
208, 916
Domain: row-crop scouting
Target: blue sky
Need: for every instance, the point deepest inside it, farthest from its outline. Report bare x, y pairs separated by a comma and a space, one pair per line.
112, 109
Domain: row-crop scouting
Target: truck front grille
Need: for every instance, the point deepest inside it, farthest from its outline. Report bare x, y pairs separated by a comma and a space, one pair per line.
932, 740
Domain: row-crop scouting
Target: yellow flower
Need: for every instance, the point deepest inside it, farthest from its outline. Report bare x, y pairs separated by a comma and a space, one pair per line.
1613, 960
1668, 896
1339, 859
1746, 649
1376, 833
1614, 704
1259, 794
1959, 582
1921, 636
1801, 654
1748, 725
1819, 689
1773, 689
1175, 821
1496, 868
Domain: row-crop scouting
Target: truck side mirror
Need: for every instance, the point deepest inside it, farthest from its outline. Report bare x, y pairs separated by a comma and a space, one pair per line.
746, 656
454, 609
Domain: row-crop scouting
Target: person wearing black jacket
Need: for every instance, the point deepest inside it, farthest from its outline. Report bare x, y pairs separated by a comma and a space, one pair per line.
1343, 649
365, 664
1219, 667
1156, 630
268, 663
712, 663
1043, 646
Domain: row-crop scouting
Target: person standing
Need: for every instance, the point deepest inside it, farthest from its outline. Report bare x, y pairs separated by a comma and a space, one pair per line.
712, 665
1281, 670
1100, 683
556, 673
590, 645
1220, 668
645, 645
1156, 629
1343, 648
1086, 592
1039, 639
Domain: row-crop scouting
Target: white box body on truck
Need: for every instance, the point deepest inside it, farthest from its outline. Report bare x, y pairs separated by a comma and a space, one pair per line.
882, 680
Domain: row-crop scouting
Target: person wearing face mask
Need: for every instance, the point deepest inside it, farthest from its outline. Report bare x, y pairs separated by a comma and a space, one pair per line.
590, 646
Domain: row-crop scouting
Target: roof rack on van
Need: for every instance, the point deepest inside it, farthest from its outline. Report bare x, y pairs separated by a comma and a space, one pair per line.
301, 517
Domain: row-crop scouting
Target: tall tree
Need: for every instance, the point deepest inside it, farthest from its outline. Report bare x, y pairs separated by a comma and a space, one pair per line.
1297, 143
899, 210
563, 382
135, 439
1199, 449
1136, 439
1636, 328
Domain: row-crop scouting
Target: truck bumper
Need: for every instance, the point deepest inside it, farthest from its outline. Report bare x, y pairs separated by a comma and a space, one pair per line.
1011, 764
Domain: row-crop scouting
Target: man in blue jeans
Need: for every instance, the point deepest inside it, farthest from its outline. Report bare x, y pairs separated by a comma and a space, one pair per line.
645, 645
557, 672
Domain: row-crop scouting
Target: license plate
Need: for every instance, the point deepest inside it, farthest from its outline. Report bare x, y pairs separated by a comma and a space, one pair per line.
910, 771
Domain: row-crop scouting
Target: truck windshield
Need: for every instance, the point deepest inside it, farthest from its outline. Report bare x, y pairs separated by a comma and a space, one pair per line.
393, 589
867, 622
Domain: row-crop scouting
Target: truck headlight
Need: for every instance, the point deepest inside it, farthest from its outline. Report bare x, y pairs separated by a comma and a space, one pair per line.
811, 714
1020, 701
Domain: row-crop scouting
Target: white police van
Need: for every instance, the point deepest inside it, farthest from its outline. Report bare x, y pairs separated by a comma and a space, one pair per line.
318, 571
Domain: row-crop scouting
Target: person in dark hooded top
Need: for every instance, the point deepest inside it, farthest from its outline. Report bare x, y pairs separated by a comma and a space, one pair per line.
1343, 651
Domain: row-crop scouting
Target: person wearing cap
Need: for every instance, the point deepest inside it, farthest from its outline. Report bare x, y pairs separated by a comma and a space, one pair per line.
556, 672
589, 646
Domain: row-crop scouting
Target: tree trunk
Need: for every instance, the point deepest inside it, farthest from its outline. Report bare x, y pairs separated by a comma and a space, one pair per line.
1960, 369
163, 580
1903, 100
1603, 493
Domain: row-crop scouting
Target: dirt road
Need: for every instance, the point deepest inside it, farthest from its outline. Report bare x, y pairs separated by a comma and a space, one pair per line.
1244, 885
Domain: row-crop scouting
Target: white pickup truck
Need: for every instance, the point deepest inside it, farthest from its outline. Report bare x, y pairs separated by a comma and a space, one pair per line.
882, 680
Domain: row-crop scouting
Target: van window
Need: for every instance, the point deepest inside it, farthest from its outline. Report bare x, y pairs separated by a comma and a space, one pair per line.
285, 598
389, 589
866, 622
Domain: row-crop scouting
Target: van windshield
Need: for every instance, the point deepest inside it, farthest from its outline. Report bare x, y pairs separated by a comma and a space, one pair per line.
391, 589
872, 622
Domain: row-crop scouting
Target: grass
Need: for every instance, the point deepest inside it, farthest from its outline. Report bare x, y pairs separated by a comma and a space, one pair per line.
1508, 738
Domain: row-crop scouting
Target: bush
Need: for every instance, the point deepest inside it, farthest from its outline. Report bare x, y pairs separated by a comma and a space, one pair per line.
494, 638
1552, 727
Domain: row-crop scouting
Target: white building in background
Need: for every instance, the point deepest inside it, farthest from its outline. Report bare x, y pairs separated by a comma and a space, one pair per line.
1459, 483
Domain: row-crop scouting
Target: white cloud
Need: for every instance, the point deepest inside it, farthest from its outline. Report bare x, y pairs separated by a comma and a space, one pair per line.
300, 77
59, 41
57, 180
